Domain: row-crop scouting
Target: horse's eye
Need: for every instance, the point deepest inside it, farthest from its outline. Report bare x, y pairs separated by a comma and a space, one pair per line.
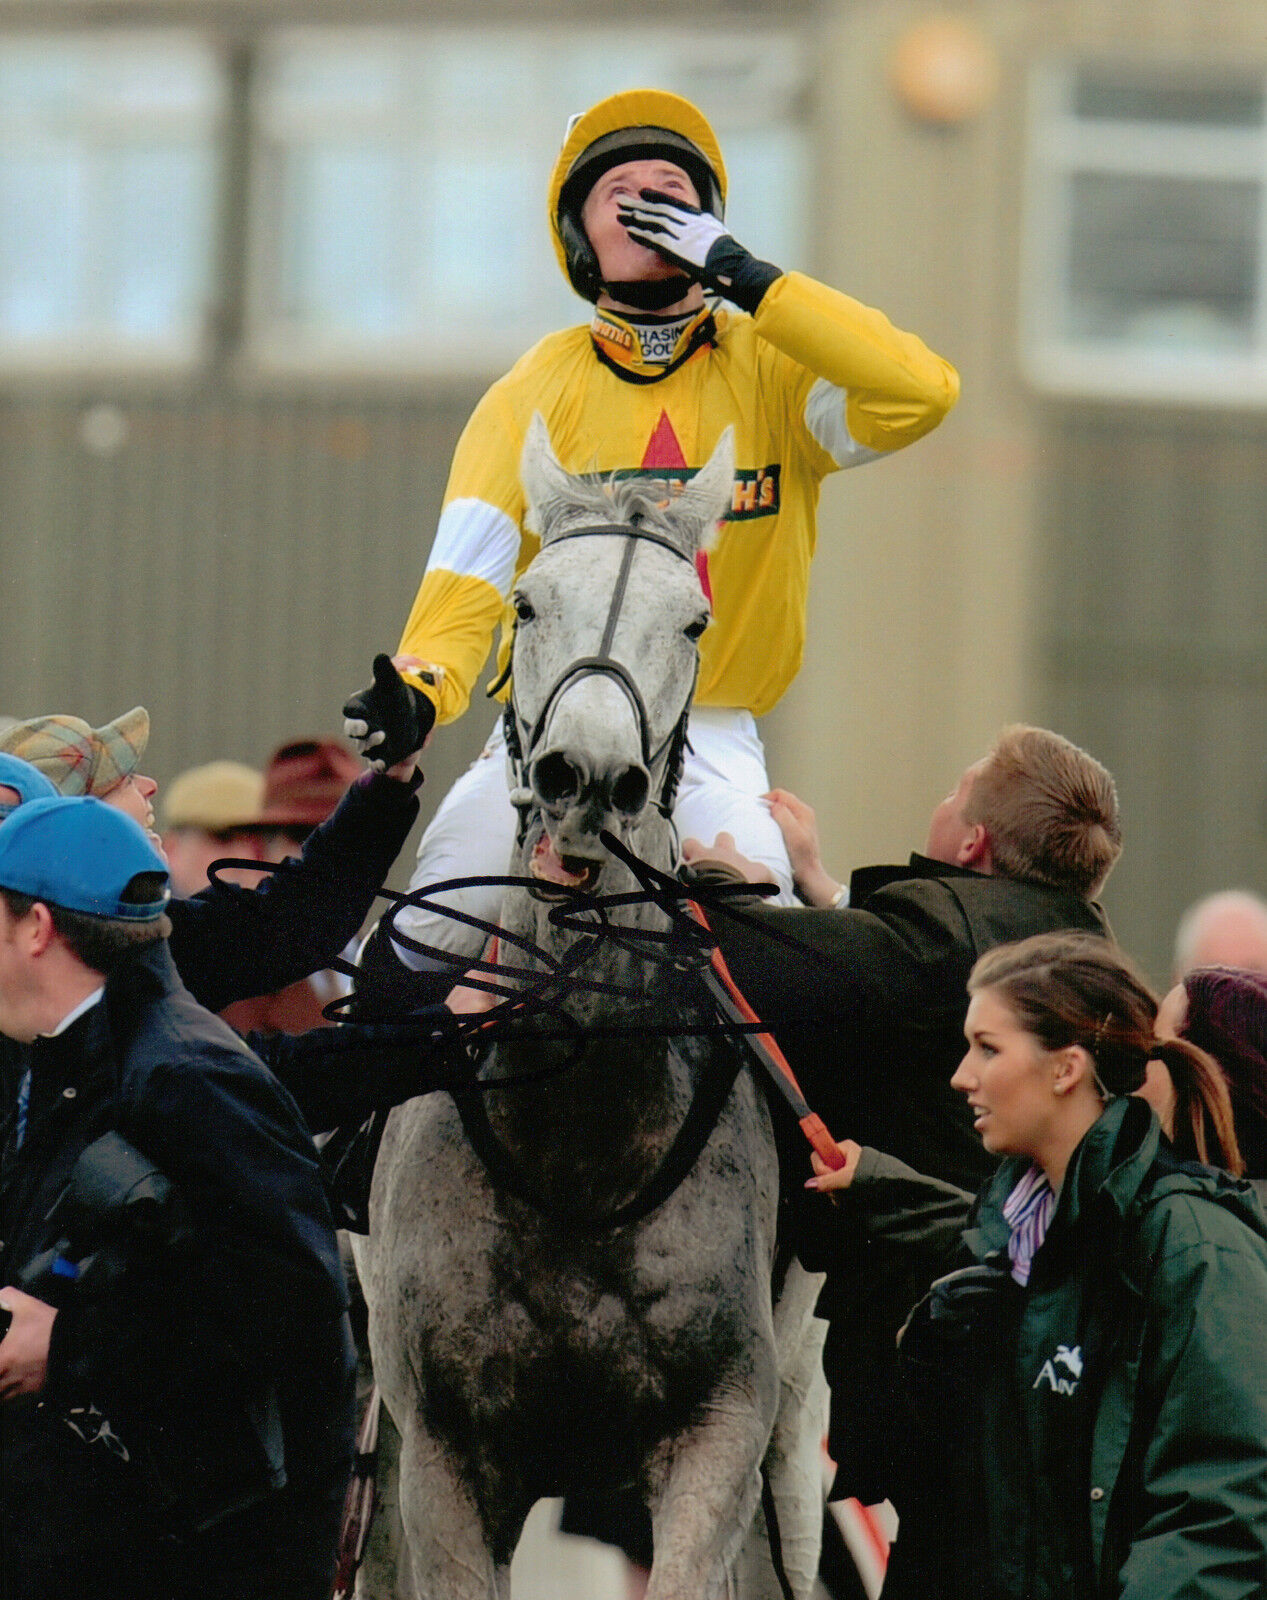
693, 629
523, 610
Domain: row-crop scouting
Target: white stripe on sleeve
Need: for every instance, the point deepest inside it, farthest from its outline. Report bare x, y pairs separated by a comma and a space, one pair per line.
825, 419
476, 540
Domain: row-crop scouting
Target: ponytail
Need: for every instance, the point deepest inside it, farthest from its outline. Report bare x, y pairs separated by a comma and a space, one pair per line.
1203, 1130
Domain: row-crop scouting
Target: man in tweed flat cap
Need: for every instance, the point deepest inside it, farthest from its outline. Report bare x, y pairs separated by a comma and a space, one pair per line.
79, 759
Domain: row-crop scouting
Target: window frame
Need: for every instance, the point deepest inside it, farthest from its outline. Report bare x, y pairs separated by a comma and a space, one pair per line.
271, 349
1061, 147
94, 350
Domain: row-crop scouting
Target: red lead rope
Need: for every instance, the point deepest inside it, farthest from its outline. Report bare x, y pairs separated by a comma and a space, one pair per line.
732, 1005
730, 1001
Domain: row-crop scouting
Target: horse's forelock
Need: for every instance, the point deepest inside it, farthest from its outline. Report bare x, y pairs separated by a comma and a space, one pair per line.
647, 502
593, 499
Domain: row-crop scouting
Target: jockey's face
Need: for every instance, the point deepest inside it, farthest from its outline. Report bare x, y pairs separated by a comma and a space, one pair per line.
620, 260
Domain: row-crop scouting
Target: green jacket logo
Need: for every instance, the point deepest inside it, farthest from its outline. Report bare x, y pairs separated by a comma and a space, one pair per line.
1070, 1358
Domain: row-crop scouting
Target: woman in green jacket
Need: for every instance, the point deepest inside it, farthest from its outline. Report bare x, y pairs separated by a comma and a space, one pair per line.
1089, 1394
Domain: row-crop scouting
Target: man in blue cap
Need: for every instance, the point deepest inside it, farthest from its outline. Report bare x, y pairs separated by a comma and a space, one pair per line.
175, 1380
20, 781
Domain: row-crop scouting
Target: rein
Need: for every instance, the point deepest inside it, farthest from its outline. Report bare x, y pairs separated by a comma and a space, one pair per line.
697, 1126
521, 742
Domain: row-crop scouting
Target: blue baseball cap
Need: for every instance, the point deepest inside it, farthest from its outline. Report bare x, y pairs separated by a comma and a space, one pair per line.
29, 781
80, 854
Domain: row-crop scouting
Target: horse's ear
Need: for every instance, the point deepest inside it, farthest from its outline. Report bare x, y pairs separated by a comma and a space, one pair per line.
710, 493
545, 483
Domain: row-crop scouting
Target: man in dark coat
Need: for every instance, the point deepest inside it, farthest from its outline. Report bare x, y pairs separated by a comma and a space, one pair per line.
868, 1003
175, 1383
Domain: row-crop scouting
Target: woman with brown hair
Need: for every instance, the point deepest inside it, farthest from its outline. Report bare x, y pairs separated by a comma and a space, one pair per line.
1089, 1394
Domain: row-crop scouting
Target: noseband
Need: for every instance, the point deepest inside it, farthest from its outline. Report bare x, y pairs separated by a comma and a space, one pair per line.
522, 742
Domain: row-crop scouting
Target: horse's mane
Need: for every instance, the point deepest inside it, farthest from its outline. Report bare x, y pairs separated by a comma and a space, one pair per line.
644, 502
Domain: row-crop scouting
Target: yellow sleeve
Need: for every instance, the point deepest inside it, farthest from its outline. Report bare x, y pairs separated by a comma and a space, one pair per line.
897, 389
472, 565
448, 635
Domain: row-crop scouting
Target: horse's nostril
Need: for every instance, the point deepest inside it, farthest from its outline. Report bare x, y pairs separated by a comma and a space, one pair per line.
630, 791
555, 779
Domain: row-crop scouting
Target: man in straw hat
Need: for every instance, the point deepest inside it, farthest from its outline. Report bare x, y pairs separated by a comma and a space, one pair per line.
811, 380
207, 813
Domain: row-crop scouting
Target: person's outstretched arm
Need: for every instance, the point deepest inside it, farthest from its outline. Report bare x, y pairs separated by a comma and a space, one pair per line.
231, 943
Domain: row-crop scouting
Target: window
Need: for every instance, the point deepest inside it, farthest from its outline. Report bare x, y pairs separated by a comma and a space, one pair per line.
398, 219
108, 174
1145, 241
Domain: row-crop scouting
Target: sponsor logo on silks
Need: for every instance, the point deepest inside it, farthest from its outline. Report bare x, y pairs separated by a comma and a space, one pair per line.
612, 333
756, 491
1068, 1357
659, 343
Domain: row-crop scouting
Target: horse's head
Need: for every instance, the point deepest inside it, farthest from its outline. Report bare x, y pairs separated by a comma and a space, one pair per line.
606, 651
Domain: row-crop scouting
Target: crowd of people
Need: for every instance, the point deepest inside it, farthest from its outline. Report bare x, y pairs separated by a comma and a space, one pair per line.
1045, 1259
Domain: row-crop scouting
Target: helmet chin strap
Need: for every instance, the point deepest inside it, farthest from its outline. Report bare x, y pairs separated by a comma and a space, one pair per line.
650, 294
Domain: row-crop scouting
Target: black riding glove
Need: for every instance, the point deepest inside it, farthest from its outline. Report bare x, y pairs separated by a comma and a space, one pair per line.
390, 719
698, 242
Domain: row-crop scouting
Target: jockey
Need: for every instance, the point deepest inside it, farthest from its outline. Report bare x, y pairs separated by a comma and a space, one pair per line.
811, 380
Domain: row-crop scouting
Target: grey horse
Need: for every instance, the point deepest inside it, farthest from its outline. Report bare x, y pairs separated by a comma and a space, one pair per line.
543, 1318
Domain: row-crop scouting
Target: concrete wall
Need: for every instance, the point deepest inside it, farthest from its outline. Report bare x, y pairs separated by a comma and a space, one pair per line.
923, 575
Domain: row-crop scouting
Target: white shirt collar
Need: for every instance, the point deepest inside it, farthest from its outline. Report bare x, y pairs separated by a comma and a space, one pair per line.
74, 1016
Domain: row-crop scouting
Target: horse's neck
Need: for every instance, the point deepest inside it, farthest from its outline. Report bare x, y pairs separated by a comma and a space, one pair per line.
608, 1115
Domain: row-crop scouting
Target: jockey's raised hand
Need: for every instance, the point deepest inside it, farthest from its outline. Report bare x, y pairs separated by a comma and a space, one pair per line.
390, 719
698, 242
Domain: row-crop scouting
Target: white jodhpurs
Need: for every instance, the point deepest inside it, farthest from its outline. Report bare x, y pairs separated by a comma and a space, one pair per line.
473, 831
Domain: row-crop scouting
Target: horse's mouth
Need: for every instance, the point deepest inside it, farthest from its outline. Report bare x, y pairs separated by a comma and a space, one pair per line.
564, 872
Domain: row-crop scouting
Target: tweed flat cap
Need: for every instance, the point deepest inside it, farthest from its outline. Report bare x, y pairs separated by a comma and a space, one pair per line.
77, 758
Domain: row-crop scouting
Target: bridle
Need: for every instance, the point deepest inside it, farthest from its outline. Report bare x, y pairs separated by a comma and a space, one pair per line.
522, 741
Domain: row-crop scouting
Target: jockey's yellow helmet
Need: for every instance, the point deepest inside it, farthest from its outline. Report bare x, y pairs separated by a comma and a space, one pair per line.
634, 125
